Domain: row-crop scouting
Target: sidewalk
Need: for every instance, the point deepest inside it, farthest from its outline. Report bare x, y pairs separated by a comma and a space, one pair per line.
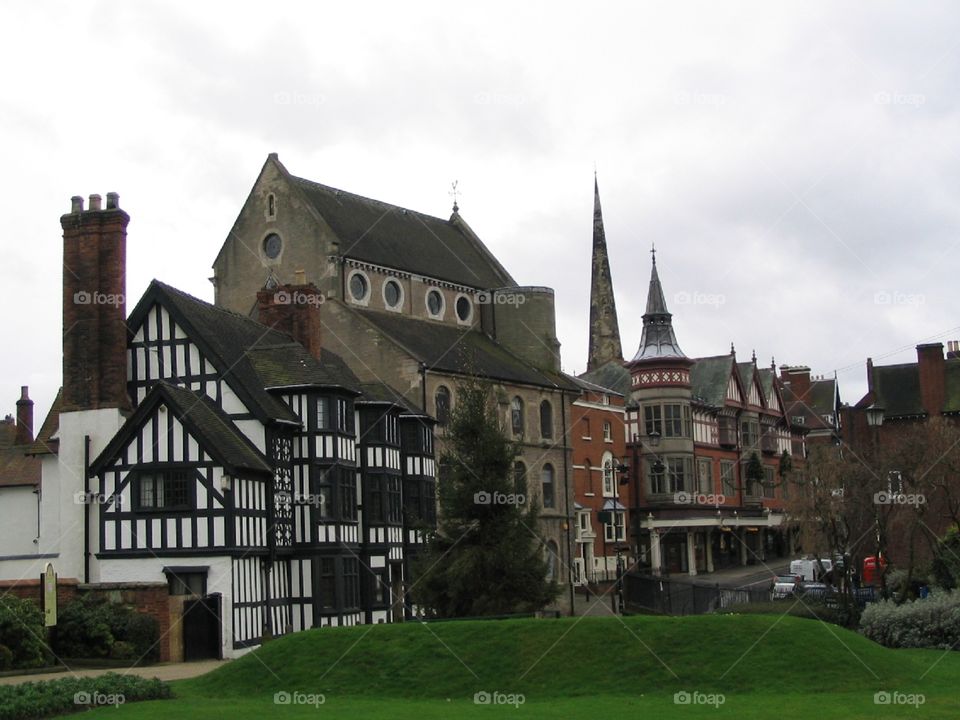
166, 671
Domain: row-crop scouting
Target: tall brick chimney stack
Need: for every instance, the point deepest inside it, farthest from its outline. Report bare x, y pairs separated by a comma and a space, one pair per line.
799, 378
295, 310
24, 417
94, 305
932, 372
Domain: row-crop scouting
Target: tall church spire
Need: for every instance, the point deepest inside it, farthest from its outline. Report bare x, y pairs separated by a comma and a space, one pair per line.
658, 339
604, 328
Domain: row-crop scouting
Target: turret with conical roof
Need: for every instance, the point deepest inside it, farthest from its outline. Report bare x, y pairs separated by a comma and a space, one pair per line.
658, 339
605, 344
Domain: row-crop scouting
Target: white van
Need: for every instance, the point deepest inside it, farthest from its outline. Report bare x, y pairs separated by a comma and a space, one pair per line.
809, 568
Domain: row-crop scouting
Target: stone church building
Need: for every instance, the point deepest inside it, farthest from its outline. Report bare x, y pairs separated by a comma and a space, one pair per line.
414, 303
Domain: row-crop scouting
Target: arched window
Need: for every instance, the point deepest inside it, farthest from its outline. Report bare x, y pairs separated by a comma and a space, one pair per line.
516, 415
546, 480
609, 479
546, 419
552, 553
442, 400
519, 478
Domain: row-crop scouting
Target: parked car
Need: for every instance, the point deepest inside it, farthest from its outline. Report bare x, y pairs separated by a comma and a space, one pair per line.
809, 569
785, 586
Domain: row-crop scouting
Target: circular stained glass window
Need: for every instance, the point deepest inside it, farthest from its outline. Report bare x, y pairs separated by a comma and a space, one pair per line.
435, 302
271, 246
358, 286
392, 293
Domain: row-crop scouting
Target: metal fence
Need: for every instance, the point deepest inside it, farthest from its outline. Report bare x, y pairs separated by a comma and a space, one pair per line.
665, 596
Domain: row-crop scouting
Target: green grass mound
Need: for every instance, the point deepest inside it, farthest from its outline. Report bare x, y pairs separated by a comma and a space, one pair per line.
570, 658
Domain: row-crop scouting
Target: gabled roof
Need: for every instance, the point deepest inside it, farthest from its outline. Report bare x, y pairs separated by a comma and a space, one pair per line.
450, 349
16, 467
382, 234
212, 428
709, 379
45, 443
226, 338
896, 388
748, 377
613, 376
382, 394
287, 365
823, 396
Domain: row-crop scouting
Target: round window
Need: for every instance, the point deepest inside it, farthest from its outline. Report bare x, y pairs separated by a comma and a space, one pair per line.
358, 286
464, 308
271, 246
434, 302
392, 293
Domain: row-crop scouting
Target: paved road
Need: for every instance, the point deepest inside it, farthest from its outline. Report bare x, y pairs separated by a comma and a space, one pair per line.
167, 671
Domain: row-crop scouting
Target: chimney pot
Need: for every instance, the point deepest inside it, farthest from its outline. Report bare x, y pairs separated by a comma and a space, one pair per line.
94, 202
76, 204
113, 201
24, 417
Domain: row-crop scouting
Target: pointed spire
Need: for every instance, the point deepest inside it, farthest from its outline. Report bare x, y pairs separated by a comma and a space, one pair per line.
605, 344
658, 339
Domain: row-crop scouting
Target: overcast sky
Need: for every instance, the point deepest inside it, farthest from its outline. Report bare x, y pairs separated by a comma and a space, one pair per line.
796, 164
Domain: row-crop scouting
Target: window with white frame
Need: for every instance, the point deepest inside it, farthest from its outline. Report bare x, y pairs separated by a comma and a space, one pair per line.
609, 476
616, 529
607, 432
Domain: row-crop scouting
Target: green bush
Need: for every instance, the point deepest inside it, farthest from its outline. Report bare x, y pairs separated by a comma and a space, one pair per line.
66, 695
143, 632
91, 626
123, 650
23, 633
930, 623
6, 658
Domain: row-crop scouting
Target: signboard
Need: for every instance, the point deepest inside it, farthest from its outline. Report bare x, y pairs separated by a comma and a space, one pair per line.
48, 581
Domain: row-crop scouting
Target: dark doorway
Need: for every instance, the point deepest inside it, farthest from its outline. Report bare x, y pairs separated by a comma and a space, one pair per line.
396, 591
201, 628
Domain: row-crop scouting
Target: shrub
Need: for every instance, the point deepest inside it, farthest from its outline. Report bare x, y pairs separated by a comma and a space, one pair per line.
23, 633
123, 650
6, 658
66, 695
143, 633
83, 628
930, 623
90, 626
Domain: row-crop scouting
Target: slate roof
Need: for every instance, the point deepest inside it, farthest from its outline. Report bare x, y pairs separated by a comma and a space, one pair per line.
395, 237
290, 365
896, 388
613, 376
44, 443
215, 431
450, 349
383, 393
242, 349
658, 339
814, 406
16, 467
709, 379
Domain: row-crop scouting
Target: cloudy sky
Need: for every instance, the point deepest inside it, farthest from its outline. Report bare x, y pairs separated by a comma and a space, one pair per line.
796, 164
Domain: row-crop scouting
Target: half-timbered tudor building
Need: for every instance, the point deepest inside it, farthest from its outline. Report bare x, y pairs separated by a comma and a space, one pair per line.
416, 303
235, 460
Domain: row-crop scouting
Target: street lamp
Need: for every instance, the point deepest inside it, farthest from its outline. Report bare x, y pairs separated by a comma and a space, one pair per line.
875, 415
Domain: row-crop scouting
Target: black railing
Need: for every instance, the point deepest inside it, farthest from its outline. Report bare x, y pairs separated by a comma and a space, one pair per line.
665, 596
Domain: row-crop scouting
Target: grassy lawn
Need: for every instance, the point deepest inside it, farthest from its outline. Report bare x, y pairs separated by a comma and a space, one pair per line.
763, 666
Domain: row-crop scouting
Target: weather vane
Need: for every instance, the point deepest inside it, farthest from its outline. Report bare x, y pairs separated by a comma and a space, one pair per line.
454, 193
653, 252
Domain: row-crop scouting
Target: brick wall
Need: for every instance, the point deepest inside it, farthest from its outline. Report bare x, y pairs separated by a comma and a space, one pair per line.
146, 597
